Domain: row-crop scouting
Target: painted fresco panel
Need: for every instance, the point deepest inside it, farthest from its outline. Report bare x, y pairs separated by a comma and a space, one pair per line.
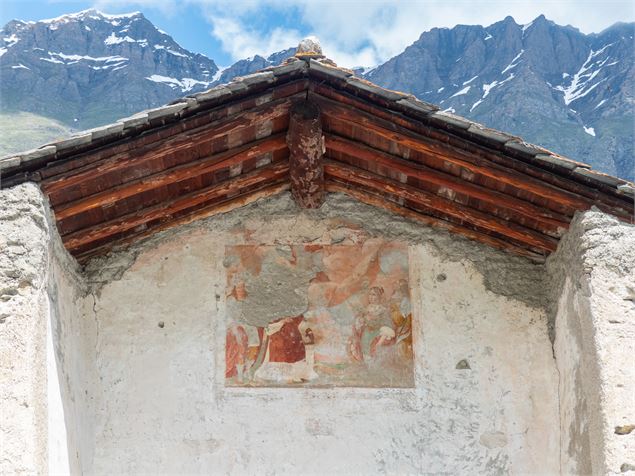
318, 315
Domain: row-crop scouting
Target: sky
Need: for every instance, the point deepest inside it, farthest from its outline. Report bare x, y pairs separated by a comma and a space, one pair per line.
352, 33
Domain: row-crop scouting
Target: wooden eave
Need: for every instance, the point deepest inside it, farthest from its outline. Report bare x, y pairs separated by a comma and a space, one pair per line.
221, 149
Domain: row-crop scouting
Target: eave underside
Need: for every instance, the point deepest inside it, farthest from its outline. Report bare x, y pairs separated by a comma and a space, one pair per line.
235, 153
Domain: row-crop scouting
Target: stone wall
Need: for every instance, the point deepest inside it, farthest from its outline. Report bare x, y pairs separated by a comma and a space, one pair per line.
23, 328
594, 283
485, 399
42, 407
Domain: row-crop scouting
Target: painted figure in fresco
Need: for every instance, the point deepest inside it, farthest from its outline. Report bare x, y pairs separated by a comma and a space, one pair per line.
379, 327
283, 355
236, 345
276, 294
236, 342
372, 328
401, 313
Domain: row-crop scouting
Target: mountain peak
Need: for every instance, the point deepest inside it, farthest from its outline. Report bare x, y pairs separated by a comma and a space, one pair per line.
90, 13
104, 65
539, 21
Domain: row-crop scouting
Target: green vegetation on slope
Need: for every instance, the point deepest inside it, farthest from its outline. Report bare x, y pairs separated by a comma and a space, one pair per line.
20, 131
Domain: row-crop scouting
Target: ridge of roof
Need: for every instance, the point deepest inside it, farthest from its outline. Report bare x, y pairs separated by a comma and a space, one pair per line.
23, 164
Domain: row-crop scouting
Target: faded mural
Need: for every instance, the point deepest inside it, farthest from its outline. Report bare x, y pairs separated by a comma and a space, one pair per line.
319, 315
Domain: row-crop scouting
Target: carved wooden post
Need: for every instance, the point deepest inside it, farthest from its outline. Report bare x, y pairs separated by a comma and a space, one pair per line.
306, 144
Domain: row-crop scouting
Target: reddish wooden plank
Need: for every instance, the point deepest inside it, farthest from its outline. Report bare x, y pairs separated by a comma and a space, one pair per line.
380, 202
376, 183
176, 174
165, 211
165, 193
225, 206
199, 120
335, 113
448, 185
55, 187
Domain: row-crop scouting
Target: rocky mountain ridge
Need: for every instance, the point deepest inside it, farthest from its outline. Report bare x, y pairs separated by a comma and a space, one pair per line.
550, 84
90, 68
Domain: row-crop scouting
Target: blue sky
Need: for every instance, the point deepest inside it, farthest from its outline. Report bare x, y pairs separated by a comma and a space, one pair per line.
353, 33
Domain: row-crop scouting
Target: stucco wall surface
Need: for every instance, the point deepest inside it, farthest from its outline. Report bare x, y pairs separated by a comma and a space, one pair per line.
70, 360
23, 328
593, 275
41, 293
485, 399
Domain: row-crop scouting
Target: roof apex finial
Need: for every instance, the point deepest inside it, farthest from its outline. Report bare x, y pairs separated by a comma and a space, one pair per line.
309, 48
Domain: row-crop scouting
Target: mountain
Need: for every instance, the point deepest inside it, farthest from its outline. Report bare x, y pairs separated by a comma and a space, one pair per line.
550, 84
253, 64
90, 68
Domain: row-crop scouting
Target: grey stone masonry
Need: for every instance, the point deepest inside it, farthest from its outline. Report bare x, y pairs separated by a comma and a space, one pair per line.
594, 279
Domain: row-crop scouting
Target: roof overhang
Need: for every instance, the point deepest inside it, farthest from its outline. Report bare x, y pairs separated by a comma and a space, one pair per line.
228, 146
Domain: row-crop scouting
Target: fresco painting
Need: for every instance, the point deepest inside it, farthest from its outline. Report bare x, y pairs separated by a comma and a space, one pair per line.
318, 315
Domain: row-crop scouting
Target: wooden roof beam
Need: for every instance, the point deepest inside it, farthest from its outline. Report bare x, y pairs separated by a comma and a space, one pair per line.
447, 185
214, 163
82, 240
216, 208
379, 201
556, 199
306, 148
68, 187
370, 181
148, 139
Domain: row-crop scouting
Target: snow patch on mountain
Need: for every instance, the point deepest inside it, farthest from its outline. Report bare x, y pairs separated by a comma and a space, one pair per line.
218, 73
488, 87
171, 51
513, 63
476, 104
90, 13
96, 63
8, 43
581, 82
184, 84
463, 91
600, 104
527, 26
115, 40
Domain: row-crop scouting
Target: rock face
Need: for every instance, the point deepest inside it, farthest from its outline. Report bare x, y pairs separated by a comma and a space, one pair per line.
550, 84
252, 64
90, 68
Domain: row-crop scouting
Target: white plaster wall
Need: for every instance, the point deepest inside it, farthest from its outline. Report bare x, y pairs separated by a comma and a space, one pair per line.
43, 409
160, 402
71, 362
594, 273
23, 325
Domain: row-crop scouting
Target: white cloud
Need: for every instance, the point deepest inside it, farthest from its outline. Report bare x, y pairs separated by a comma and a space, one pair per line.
356, 33
240, 42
